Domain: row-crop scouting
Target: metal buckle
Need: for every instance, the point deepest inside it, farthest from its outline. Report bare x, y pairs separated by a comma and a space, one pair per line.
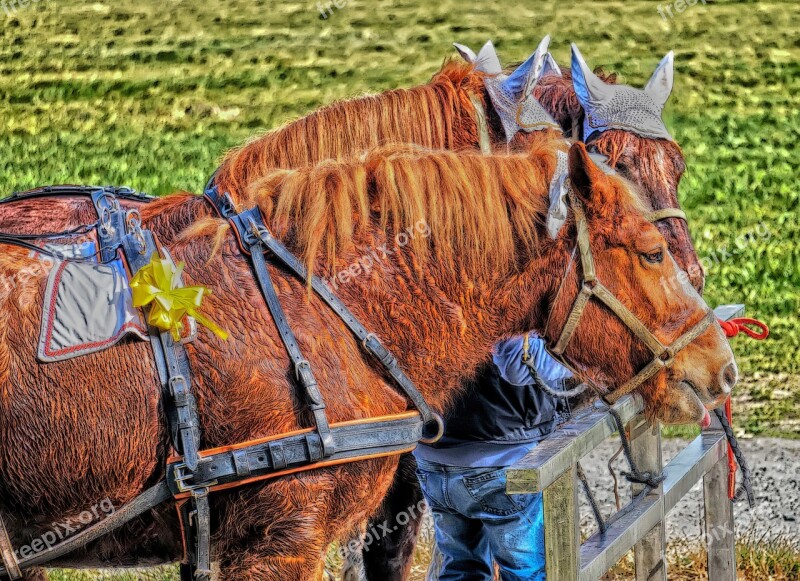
370, 336
178, 387
226, 203
299, 366
133, 219
182, 475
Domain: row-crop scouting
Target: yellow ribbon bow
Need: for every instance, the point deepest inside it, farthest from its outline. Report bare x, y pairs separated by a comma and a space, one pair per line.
158, 285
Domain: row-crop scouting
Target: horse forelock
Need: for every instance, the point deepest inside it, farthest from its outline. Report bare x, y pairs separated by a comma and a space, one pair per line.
557, 95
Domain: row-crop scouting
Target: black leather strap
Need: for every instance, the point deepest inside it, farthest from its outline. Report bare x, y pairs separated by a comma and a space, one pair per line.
251, 230
351, 441
302, 368
72, 190
146, 501
180, 405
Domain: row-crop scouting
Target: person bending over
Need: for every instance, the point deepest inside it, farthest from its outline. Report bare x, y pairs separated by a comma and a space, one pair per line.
498, 420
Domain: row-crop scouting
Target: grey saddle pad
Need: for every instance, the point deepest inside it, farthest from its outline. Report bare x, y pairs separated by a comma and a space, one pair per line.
87, 306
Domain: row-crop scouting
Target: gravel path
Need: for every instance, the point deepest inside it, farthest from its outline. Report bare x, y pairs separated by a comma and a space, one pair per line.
775, 464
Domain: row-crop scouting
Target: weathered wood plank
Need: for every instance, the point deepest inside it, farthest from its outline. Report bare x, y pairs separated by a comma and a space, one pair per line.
558, 453
691, 464
649, 554
562, 527
720, 534
728, 312
600, 553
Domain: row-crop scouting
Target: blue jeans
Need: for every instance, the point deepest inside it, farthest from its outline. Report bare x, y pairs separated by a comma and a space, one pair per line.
477, 523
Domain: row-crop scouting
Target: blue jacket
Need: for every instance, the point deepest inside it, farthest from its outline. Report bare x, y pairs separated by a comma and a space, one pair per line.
501, 414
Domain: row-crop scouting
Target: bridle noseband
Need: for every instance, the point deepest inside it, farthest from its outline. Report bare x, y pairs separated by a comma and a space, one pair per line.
591, 287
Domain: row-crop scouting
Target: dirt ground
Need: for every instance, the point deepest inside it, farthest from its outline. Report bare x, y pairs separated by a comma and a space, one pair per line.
775, 466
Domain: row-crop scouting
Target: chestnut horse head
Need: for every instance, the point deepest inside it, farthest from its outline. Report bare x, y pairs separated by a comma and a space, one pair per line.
485, 224
636, 256
641, 149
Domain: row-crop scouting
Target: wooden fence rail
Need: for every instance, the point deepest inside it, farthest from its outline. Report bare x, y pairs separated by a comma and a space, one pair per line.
551, 468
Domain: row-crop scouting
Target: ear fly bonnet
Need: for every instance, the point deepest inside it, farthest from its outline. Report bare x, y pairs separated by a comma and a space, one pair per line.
619, 106
512, 95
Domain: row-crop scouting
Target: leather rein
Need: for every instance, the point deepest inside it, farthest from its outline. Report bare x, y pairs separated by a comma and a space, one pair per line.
591, 287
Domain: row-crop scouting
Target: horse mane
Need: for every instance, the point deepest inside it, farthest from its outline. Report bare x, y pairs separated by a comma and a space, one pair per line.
481, 213
371, 121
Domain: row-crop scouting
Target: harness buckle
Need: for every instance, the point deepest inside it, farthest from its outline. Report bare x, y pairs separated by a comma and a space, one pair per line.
226, 203
182, 475
368, 338
133, 220
299, 367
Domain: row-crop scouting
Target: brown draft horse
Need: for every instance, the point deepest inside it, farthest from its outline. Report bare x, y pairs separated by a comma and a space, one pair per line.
79, 431
440, 114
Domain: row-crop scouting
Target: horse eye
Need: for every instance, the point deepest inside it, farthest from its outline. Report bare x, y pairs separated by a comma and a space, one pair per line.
654, 257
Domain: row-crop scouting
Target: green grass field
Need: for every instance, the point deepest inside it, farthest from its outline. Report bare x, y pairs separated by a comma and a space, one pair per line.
152, 93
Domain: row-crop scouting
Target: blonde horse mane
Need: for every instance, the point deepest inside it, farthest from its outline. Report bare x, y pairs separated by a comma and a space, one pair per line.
371, 121
482, 212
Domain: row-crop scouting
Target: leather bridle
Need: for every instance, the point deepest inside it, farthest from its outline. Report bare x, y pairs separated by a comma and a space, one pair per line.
591, 287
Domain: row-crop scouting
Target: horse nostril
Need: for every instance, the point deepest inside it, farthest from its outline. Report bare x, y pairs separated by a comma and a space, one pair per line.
729, 377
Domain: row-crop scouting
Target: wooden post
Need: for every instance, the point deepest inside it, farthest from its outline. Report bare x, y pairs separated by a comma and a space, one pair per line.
562, 527
649, 554
720, 534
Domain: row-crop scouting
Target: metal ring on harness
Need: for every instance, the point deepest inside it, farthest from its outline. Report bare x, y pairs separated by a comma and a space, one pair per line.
439, 430
134, 221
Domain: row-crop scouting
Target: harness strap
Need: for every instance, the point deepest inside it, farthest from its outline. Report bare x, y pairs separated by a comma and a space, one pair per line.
7, 553
484, 140
124, 193
302, 367
174, 372
151, 498
249, 224
234, 466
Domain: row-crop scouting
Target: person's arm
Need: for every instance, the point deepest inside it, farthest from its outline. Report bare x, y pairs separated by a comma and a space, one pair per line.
508, 358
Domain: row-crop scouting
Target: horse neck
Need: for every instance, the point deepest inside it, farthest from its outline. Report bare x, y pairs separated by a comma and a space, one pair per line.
442, 323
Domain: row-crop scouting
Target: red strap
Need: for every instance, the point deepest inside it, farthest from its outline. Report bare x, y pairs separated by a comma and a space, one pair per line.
731, 458
735, 326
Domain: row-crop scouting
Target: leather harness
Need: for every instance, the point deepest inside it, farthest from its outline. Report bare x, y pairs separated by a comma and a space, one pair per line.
193, 474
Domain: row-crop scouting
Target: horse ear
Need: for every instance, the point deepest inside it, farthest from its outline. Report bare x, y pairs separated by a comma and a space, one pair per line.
466, 53
585, 176
590, 90
551, 66
659, 86
521, 82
